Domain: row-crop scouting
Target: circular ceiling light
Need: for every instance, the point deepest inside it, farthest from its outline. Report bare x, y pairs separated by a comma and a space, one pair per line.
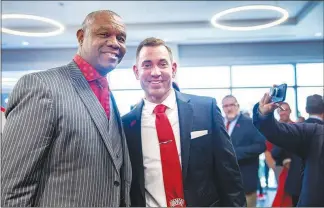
215, 18
32, 17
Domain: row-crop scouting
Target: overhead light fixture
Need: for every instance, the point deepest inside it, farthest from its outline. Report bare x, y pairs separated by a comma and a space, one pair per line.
32, 34
318, 34
215, 18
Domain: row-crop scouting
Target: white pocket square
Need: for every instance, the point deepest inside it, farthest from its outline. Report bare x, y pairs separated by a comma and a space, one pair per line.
196, 134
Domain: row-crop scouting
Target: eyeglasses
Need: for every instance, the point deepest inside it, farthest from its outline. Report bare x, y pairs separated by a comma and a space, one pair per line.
230, 105
280, 110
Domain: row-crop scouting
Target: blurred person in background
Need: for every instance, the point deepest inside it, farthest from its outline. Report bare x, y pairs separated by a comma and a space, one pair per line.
303, 139
63, 144
248, 145
300, 119
180, 151
287, 169
315, 109
260, 189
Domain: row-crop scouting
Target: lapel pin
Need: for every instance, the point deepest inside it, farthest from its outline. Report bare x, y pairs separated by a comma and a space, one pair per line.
133, 123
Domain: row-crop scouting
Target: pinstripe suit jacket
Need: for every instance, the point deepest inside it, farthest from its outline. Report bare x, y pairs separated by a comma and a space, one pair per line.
57, 149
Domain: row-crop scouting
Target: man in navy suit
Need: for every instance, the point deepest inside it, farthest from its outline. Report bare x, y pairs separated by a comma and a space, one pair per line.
306, 140
208, 167
248, 145
315, 109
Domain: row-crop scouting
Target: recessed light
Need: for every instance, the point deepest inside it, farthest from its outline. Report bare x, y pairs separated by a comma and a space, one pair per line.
25, 43
318, 34
32, 17
215, 18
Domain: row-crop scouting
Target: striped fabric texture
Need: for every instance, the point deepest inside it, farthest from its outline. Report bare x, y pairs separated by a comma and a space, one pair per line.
58, 148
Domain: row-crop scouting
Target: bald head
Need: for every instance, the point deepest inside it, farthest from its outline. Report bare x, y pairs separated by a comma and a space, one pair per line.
90, 18
102, 40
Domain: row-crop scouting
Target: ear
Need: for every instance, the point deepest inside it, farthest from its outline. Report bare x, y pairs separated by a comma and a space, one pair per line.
174, 69
80, 36
136, 72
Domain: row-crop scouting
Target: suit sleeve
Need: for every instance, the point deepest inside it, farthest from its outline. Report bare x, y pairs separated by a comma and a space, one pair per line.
295, 138
227, 172
257, 147
279, 154
26, 138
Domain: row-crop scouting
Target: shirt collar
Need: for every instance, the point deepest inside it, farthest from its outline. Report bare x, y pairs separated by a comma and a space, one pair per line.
170, 102
234, 120
316, 117
88, 71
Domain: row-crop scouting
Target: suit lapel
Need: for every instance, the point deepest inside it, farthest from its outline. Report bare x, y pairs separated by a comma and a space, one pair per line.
136, 131
93, 105
236, 129
185, 111
117, 115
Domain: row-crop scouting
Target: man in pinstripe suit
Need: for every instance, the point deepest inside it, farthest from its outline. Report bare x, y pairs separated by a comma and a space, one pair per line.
63, 143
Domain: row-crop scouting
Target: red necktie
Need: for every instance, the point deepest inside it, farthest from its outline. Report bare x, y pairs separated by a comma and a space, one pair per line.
171, 168
104, 95
227, 125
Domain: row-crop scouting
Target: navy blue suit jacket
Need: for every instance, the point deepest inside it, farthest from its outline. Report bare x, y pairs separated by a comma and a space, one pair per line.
211, 175
248, 144
306, 140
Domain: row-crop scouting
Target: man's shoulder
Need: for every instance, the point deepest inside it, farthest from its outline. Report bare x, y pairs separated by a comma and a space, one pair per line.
130, 116
198, 98
319, 130
46, 74
55, 71
49, 76
125, 118
245, 119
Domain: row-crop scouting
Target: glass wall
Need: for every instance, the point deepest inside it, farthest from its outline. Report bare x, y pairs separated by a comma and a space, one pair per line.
246, 82
309, 81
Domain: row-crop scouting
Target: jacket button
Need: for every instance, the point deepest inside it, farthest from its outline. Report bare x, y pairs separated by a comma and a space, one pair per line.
116, 183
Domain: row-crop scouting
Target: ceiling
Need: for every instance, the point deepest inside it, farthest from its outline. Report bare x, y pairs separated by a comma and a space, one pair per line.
180, 22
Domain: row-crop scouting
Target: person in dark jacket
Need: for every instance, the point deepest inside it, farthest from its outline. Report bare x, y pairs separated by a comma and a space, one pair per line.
306, 140
248, 145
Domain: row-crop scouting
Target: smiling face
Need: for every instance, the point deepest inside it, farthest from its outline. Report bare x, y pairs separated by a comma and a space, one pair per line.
155, 70
102, 42
284, 114
230, 107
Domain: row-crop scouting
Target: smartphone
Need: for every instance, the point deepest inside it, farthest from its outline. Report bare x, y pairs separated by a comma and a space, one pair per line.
278, 93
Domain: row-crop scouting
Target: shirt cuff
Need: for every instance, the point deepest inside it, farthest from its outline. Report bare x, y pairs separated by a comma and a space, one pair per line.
285, 161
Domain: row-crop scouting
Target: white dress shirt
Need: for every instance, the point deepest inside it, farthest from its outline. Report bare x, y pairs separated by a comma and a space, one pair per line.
154, 186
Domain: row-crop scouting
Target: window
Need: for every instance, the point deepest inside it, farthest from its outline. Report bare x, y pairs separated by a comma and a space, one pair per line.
203, 77
247, 98
127, 98
218, 94
303, 93
123, 79
310, 74
262, 75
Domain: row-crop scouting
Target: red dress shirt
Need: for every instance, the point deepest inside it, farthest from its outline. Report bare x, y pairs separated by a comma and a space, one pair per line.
98, 83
